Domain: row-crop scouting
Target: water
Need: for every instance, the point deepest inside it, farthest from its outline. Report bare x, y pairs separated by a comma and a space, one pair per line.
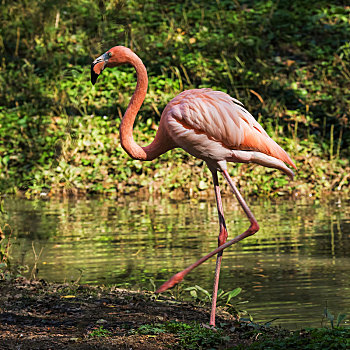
297, 263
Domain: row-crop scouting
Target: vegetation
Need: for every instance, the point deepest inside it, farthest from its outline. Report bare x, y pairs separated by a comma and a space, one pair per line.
195, 336
99, 332
289, 63
313, 339
5, 245
39, 315
188, 336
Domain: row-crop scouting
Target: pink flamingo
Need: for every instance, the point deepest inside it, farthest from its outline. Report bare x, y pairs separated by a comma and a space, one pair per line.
210, 125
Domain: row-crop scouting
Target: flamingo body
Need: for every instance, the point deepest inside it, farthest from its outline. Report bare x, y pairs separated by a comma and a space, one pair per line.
213, 126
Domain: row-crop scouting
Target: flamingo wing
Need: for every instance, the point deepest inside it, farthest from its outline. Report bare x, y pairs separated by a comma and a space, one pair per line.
223, 119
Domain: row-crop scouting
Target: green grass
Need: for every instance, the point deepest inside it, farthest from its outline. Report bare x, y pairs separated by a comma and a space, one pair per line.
312, 339
188, 336
99, 332
195, 336
288, 63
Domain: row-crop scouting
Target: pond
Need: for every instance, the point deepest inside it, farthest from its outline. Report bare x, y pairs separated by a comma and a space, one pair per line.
298, 263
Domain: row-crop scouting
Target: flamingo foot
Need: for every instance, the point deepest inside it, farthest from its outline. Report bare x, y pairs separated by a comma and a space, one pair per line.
171, 282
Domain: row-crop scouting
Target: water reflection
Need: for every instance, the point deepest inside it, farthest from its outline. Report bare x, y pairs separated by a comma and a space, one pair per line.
291, 268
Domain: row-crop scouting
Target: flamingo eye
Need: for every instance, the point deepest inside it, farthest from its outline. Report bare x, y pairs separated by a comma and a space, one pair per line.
109, 54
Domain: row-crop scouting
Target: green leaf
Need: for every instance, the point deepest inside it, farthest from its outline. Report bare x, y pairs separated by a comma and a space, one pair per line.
329, 316
193, 293
153, 284
233, 294
190, 288
340, 318
203, 291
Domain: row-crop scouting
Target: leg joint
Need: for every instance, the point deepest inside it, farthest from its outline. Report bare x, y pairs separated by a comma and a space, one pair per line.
222, 236
254, 228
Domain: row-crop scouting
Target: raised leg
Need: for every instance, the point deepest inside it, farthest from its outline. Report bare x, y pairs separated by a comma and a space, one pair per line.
221, 240
253, 228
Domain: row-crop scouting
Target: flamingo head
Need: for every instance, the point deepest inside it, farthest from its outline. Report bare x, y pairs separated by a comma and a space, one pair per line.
114, 57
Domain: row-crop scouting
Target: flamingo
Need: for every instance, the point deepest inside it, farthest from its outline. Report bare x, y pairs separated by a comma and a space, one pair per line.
208, 124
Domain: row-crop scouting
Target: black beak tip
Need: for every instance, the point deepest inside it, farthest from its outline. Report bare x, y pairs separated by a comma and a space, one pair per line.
94, 76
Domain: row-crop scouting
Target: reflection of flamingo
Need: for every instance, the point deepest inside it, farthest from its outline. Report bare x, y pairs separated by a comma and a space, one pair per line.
211, 126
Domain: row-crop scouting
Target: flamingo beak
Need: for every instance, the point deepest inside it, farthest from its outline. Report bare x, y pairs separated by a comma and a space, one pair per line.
98, 66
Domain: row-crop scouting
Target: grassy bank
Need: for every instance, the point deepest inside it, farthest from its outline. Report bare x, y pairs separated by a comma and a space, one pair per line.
288, 63
37, 314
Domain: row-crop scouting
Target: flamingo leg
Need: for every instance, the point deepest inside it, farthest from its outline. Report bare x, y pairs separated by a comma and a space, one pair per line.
221, 240
253, 228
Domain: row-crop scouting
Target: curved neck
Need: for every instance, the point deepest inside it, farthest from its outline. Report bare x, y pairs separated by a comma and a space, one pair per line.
157, 147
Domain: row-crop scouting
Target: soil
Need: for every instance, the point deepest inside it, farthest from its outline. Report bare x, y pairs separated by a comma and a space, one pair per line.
40, 315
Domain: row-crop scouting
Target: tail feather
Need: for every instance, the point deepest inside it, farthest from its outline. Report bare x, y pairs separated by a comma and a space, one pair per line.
279, 153
257, 141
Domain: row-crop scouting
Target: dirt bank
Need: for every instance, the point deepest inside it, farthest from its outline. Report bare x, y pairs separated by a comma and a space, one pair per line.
38, 315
